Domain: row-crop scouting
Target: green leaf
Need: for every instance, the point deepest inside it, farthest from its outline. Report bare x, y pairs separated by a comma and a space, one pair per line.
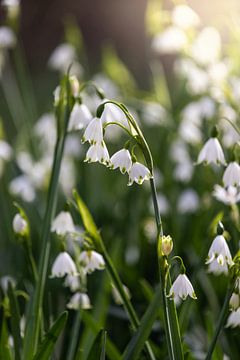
15, 322
5, 352
99, 346
45, 349
87, 219
137, 342
111, 350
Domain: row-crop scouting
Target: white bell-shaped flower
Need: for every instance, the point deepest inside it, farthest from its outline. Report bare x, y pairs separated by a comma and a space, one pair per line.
19, 224
80, 117
112, 113
234, 302
234, 319
181, 288
231, 176
94, 132
184, 17
79, 301
63, 265
122, 160
219, 250
63, 223
5, 151
138, 173
228, 196
98, 152
7, 38
91, 260
72, 282
217, 268
211, 153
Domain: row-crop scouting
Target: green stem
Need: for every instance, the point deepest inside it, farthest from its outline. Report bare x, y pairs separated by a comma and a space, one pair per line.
31, 261
74, 336
32, 332
170, 315
235, 127
35, 310
221, 322
126, 302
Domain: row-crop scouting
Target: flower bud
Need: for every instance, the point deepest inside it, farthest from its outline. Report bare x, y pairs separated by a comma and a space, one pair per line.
167, 244
19, 225
74, 85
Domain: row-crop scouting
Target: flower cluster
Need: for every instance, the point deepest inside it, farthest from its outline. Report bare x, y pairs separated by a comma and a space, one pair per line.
98, 152
74, 271
234, 303
219, 257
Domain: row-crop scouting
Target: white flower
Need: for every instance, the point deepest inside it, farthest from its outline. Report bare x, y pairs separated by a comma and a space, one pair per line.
79, 301
94, 132
122, 160
7, 37
72, 282
116, 295
112, 113
4, 282
91, 260
217, 268
231, 176
138, 173
234, 319
22, 186
19, 224
228, 196
98, 152
211, 152
63, 223
5, 151
62, 57
234, 302
219, 250
207, 46
184, 17
188, 202
63, 265
80, 117
181, 288
170, 41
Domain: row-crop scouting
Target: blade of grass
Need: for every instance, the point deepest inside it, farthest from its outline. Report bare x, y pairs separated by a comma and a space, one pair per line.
46, 347
15, 322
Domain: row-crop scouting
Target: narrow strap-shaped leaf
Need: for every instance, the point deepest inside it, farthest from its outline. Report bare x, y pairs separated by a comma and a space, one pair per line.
5, 352
87, 219
46, 347
97, 351
137, 342
15, 322
110, 348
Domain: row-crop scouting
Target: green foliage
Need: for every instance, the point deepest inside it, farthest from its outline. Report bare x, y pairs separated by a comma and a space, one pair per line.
45, 349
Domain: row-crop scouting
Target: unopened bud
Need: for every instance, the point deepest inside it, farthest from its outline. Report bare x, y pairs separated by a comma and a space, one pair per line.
19, 225
167, 244
234, 302
74, 86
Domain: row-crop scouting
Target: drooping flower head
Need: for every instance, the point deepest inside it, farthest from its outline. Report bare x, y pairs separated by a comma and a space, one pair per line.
122, 160
63, 265
98, 153
138, 173
91, 260
79, 301
94, 132
63, 223
181, 288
